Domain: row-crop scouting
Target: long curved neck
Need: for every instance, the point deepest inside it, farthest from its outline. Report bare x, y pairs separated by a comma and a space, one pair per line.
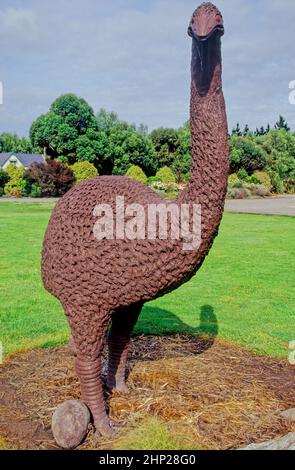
209, 133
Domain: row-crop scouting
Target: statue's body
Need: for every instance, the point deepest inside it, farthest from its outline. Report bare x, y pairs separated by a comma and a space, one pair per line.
106, 282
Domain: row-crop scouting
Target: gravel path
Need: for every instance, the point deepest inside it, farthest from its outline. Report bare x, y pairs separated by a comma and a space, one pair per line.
282, 205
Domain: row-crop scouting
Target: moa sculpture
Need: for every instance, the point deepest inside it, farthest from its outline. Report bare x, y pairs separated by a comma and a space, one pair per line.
103, 284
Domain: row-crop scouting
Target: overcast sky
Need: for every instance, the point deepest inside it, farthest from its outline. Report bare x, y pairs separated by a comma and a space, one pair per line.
133, 57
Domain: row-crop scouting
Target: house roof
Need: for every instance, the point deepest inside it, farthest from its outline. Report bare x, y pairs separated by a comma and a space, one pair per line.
4, 157
25, 158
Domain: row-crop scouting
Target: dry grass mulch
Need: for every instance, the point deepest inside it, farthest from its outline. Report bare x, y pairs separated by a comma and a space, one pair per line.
214, 396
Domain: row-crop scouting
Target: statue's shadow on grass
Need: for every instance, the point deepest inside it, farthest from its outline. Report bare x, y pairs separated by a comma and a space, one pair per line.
169, 328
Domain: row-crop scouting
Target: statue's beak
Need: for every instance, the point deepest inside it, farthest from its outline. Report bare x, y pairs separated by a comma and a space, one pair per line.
202, 35
206, 52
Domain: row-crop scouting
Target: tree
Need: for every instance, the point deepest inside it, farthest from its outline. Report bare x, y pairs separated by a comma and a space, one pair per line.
166, 143
237, 130
278, 140
282, 124
53, 178
261, 131
13, 143
183, 156
246, 130
75, 112
106, 120
173, 149
70, 130
279, 144
124, 145
246, 154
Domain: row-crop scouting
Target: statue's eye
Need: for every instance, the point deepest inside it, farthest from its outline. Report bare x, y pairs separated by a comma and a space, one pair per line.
190, 31
218, 18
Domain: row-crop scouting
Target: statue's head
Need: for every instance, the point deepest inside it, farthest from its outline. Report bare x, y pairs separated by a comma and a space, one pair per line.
206, 28
206, 22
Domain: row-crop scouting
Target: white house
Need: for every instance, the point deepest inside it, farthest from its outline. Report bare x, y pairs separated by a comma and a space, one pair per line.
19, 159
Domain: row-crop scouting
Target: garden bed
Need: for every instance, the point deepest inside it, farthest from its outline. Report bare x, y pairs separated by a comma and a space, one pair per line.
206, 395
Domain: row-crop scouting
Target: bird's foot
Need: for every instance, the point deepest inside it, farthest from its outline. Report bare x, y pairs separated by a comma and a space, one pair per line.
104, 428
117, 386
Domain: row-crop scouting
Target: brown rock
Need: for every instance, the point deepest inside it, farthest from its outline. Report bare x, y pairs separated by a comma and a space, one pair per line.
70, 423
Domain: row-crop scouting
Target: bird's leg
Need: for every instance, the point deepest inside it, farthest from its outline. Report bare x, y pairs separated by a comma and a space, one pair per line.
89, 333
89, 372
72, 347
123, 321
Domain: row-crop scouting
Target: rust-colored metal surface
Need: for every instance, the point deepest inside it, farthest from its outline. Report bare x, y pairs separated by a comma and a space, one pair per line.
103, 282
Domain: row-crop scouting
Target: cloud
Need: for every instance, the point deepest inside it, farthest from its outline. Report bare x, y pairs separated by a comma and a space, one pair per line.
18, 27
133, 57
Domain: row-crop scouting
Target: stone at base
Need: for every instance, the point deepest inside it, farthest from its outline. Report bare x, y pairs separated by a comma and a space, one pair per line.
284, 443
70, 423
289, 414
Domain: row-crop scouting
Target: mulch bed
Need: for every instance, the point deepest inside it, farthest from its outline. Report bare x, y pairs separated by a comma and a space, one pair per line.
214, 395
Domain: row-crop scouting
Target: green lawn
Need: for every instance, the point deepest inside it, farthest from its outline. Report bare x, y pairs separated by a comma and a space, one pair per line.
244, 292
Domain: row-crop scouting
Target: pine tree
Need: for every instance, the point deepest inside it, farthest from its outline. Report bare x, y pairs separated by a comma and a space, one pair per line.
246, 130
237, 130
267, 128
261, 131
282, 124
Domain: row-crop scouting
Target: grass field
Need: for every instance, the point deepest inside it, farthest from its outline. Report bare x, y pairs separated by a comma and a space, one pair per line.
244, 292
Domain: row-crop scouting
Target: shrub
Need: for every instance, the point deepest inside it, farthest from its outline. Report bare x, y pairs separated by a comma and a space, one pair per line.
35, 191
137, 174
276, 181
242, 174
166, 175
237, 184
289, 184
152, 180
16, 185
167, 190
244, 153
261, 191
53, 178
233, 178
84, 171
186, 177
4, 178
263, 179
238, 193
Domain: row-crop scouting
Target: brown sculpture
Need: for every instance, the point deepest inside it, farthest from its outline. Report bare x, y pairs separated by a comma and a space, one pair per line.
106, 282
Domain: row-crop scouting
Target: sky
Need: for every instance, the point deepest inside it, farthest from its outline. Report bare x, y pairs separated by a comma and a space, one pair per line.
133, 57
